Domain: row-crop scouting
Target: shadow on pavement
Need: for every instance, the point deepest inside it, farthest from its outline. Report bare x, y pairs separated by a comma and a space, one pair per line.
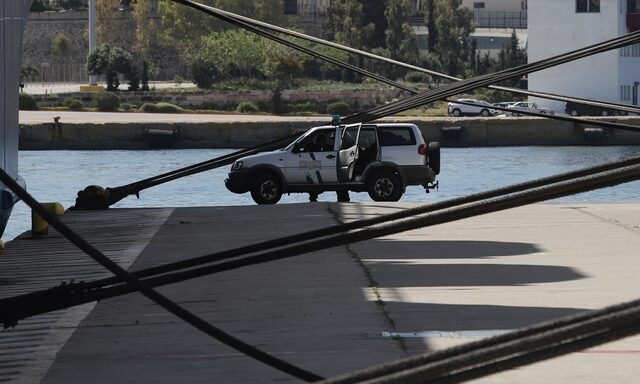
448, 249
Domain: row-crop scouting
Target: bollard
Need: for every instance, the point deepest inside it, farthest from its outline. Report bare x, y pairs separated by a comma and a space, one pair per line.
39, 226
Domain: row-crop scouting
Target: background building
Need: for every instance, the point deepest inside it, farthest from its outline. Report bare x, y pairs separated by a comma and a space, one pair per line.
556, 27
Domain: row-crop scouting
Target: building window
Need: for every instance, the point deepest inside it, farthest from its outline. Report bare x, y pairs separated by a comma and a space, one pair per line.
290, 7
478, 5
587, 6
633, 6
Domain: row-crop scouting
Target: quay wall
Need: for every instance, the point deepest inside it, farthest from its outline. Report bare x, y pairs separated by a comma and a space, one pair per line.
451, 132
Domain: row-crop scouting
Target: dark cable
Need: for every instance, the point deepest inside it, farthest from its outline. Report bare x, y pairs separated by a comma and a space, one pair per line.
150, 293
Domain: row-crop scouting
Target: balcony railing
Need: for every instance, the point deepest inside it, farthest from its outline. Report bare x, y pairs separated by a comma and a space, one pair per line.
500, 19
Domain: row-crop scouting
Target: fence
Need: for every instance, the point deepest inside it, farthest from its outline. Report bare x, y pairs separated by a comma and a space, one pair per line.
60, 73
500, 19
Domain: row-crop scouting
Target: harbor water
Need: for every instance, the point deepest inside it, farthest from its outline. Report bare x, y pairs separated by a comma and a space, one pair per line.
57, 176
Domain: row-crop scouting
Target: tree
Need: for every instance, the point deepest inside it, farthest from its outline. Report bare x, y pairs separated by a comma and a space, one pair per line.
105, 27
60, 46
400, 38
453, 24
432, 38
28, 71
347, 24
145, 75
371, 12
111, 61
183, 27
146, 27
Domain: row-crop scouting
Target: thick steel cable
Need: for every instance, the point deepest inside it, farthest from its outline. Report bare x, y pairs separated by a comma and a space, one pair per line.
115, 194
494, 354
473, 205
369, 55
137, 285
290, 44
481, 81
452, 89
571, 119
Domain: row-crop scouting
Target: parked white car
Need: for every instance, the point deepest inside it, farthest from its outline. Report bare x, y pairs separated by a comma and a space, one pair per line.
529, 107
381, 159
482, 108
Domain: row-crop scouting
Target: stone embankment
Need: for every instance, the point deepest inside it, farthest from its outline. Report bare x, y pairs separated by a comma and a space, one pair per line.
239, 131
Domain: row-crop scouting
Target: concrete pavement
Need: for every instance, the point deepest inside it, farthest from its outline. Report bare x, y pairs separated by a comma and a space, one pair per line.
324, 311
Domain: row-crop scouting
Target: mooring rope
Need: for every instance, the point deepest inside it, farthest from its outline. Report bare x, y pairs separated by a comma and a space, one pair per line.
66, 295
137, 285
275, 28
482, 81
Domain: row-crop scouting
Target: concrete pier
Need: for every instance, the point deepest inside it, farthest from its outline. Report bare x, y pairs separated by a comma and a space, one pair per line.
85, 130
332, 311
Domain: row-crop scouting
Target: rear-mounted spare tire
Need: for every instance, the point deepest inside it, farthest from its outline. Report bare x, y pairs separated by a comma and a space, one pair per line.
434, 157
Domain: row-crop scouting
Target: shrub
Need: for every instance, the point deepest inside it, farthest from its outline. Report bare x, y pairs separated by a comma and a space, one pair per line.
246, 107
338, 108
168, 108
417, 77
161, 107
107, 101
27, 102
149, 107
127, 107
306, 106
73, 104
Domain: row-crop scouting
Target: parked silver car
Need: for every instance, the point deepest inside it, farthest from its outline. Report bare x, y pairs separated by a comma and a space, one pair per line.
529, 107
482, 108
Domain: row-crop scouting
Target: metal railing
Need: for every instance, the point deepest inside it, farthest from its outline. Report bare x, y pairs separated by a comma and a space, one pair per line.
500, 19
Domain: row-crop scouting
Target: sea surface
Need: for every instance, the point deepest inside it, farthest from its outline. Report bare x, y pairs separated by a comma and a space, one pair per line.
57, 176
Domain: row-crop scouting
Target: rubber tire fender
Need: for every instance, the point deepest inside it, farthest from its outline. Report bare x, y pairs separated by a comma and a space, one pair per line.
434, 157
381, 179
266, 189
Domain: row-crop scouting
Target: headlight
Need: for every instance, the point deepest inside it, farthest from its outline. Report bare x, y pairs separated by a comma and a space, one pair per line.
237, 165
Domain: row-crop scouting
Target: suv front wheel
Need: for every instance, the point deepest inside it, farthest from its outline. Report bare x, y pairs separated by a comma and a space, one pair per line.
266, 189
384, 186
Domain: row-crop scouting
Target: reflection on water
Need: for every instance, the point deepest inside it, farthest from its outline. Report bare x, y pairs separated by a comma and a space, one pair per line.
59, 175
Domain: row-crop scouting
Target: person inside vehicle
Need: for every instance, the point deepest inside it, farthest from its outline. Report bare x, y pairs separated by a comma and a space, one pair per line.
318, 144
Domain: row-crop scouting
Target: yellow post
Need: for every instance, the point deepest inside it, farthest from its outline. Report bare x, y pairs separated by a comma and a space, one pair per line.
39, 226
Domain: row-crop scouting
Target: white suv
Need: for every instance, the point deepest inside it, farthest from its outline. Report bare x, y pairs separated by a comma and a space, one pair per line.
482, 108
381, 159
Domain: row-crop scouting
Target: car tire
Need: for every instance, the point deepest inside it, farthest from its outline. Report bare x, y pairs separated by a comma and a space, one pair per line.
266, 189
384, 186
456, 113
485, 113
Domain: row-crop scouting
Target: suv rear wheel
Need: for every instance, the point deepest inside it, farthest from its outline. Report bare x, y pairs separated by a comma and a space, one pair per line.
384, 186
266, 189
485, 113
456, 112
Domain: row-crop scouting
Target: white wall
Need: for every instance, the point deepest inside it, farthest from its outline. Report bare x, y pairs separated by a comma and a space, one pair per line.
555, 28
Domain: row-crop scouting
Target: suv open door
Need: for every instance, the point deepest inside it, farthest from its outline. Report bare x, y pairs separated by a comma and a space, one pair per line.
348, 153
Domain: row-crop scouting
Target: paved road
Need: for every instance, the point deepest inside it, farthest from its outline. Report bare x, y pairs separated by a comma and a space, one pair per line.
440, 286
46, 88
36, 117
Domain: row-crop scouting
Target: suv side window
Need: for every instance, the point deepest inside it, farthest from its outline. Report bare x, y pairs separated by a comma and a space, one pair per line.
392, 136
